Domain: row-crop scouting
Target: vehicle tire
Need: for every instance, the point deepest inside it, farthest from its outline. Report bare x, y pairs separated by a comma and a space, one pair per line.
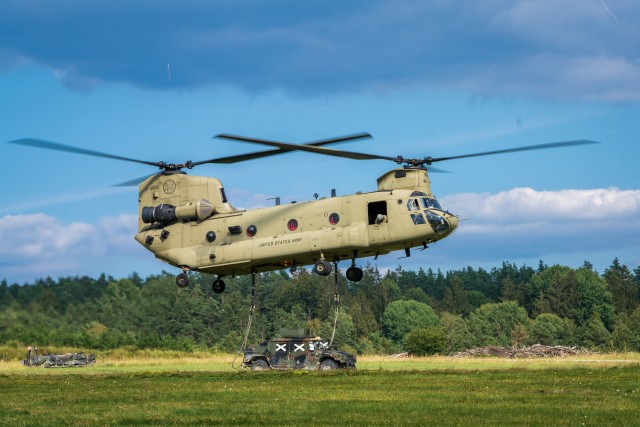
218, 286
182, 280
354, 274
259, 365
322, 268
328, 365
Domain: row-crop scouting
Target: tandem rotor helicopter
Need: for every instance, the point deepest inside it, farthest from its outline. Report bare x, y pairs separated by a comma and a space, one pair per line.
187, 221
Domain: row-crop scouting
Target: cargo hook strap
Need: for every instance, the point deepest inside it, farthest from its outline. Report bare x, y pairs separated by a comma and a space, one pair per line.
252, 309
336, 300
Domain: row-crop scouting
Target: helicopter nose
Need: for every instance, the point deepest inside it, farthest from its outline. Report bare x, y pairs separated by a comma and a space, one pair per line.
453, 222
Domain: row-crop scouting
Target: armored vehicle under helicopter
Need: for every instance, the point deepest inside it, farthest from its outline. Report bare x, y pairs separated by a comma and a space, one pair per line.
295, 350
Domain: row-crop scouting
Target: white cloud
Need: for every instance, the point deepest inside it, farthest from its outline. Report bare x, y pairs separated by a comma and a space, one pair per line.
556, 226
40, 245
526, 205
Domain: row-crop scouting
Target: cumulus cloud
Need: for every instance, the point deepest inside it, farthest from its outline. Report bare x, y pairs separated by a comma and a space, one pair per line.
41, 245
575, 50
527, 205
523, 223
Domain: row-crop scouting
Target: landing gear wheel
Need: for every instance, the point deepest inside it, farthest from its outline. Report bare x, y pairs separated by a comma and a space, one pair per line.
354, 274
259, 365
218, 286
182, 280
322, 268
328, 365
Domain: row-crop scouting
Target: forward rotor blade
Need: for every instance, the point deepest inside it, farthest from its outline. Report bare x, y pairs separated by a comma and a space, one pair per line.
512, 150
267, 153
133, 182
39, 143
309, 148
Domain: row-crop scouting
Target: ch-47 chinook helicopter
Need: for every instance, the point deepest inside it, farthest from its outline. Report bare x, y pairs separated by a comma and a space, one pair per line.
187, 221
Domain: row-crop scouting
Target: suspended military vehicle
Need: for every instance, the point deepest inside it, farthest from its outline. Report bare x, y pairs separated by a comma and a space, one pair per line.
296, 350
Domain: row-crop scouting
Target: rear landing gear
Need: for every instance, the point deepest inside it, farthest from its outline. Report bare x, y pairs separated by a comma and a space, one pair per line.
182, 280
322, 268
218, 286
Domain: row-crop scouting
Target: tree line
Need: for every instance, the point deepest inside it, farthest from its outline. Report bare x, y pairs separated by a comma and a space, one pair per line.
423, 311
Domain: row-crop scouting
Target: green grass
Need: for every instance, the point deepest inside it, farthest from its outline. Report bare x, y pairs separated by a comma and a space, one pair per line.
383, 391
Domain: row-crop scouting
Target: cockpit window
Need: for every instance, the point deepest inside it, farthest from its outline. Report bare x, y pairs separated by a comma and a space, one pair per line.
418, 218
429, 203
412, 205
437, 222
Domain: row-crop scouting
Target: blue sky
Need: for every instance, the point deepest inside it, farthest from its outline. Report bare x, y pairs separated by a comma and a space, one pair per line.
155, 80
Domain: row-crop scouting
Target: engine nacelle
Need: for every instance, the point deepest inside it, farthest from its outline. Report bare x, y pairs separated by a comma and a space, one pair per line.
168, 214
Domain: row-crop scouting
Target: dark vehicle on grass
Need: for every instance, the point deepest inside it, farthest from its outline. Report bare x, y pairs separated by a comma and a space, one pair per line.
295, 350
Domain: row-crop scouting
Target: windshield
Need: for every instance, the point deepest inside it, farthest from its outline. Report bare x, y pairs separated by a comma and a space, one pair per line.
425, 202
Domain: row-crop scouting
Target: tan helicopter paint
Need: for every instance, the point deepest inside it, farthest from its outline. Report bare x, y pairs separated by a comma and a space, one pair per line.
201, 207
180, 215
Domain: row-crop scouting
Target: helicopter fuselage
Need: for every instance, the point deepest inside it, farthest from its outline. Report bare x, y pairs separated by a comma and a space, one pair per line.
187, 222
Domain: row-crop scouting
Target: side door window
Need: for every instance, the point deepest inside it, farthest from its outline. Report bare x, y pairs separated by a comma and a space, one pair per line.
299, 353
279, 353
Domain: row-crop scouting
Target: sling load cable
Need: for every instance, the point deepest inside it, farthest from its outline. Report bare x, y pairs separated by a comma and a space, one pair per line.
252, 309
336, 300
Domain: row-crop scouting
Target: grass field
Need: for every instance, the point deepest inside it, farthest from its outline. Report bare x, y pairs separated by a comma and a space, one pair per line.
202, 389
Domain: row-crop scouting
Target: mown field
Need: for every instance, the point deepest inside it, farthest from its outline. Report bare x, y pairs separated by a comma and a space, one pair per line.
202, 389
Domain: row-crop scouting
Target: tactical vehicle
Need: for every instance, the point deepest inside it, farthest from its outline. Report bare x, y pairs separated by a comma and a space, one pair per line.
296, 351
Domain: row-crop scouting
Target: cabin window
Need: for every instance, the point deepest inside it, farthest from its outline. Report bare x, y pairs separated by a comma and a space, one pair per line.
334, 218
376, 208
252, 230
292, 225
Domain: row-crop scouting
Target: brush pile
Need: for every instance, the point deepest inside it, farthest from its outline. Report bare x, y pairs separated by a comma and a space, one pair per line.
536, 350
69, 360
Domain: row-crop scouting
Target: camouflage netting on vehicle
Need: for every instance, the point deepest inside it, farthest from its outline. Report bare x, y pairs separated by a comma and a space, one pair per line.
69, 360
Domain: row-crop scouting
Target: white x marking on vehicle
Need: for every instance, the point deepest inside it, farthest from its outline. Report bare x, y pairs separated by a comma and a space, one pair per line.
281, 347
299, 347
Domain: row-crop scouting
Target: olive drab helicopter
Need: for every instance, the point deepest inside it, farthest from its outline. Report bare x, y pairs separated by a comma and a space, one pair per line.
187, 221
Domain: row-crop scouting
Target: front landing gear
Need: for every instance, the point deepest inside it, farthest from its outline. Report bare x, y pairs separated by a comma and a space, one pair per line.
218, 286
354, 274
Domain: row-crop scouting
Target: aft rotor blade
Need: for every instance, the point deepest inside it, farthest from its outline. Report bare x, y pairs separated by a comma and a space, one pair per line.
433, 169
309, 148
267, 153
430, 160
39, 143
